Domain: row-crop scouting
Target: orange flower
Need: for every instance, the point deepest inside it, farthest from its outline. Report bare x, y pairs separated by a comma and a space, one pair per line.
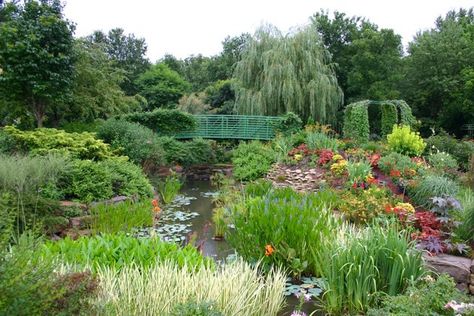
156, 208
395, 173
269, 250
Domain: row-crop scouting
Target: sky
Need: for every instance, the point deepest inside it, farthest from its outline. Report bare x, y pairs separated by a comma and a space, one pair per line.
186, 27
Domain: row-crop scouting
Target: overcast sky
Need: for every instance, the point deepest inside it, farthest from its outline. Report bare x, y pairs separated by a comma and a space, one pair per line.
185, 27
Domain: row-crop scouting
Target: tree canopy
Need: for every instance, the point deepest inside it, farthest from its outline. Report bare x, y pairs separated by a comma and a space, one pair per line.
36, 56
439, 77
368, 60
161, 86
287, 73
127, 52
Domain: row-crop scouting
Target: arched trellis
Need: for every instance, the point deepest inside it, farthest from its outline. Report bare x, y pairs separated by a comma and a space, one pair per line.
356, 117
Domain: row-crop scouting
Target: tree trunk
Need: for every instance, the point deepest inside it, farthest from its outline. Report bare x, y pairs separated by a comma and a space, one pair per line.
38, 111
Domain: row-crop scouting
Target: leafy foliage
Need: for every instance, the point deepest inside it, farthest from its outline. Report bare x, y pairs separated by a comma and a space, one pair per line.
119, 250
278, 74
136, 141
460, 150
289, 123
44, 141
163, 121
41, 291
443, 163
161, 86
428, 296
195, 309
252, 160
126, 52
95, 181
404, 141
397, 164
37, 57
356, 122
443, 98
96, 90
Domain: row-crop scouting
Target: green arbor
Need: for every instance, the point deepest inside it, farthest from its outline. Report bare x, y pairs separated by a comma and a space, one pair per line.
378, 117
282, 73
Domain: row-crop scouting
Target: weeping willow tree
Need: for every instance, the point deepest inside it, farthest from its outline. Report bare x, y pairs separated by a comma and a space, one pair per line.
282, 73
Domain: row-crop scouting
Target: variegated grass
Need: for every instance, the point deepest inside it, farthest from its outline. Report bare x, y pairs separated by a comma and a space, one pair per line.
235, 289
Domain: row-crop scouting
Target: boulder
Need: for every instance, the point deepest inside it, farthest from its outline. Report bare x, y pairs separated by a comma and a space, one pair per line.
457, 267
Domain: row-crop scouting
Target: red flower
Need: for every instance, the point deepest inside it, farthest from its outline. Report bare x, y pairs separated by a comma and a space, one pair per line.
394, 173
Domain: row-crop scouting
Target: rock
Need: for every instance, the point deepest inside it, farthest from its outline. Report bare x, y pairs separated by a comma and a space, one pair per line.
471, 289
73, 204
472, 266
472, 279
80, 222
457, 267
462, 287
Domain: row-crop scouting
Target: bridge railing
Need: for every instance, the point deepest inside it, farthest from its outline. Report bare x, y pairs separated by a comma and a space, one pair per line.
233, 127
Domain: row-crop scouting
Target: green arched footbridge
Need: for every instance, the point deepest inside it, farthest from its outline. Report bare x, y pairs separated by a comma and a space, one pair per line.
233, 127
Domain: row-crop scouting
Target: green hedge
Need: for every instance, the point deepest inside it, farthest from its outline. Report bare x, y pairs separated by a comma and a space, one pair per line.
163, 121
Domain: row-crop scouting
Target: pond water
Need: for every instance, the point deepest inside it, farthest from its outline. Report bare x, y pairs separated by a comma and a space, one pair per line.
193, 208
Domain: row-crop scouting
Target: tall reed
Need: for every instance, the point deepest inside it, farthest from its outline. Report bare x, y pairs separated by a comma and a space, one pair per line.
235, 289
359, 264
124, 217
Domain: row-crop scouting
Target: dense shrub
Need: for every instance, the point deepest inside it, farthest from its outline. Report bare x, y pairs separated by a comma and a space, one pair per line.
163, 121
119, 250
136, 141
280, 227
94, 181
200, 151
424, 189
398, 162
187, 153
426, 297
443, 163
44, 141
460, 150
361, 263
289, 123
402, 140
252, 160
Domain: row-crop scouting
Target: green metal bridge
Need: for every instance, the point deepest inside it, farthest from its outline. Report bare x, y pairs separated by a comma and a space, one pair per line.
233, 127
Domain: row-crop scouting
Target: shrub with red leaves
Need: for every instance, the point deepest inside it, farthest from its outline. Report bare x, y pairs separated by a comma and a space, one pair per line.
301, 149
325, 156
374, 160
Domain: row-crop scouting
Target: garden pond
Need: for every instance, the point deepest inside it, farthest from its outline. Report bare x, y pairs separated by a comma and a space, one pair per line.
190, 216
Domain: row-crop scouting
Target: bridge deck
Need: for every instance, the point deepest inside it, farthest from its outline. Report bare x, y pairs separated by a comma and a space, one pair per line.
233, 127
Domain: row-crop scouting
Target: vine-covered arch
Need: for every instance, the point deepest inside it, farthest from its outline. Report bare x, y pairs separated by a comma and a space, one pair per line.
356, 117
